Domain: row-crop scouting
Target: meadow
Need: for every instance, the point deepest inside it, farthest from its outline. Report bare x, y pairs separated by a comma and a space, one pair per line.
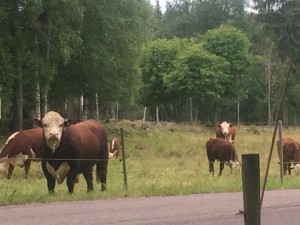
161, 160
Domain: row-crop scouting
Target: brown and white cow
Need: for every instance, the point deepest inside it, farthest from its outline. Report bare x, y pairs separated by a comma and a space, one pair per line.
20, 149
226, 131
223, 151
69, 150
114, 148
291, 155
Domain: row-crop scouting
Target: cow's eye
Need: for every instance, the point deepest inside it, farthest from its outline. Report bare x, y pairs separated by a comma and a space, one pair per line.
61, 125
45, 125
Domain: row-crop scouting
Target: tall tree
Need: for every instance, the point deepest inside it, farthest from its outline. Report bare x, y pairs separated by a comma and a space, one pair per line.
282, 18
157, 60
233, 45
6, 72
198, 73
17, 52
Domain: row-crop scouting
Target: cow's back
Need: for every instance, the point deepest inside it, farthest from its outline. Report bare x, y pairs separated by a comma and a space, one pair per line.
291, 150
35, 138
92, 136
84, 140
23, 142
221, 150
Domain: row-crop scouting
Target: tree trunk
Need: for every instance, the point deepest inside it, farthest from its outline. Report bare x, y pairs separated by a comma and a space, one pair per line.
45, 86
113, 112
144, 116
157, 116
97, 106
216, 114
117, 112
191, 109
18, 96
238, 113
268, 84
81, 107
37, 101
85, 111
285, 117
17, 54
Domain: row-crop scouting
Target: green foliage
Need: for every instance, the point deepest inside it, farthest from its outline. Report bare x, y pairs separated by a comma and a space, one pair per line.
157, 60
231, 44
185, 18
131, 53
253, 129
198, 73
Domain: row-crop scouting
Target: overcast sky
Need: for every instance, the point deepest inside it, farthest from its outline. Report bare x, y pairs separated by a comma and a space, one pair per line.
162, 4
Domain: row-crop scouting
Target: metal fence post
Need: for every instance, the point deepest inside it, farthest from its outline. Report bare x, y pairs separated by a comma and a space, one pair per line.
281, 163
251, 188
123, 158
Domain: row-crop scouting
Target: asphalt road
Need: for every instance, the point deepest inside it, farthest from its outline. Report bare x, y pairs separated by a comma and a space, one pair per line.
279, 207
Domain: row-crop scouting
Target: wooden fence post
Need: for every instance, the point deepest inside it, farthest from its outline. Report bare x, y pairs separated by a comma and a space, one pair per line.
251, 188
123, 158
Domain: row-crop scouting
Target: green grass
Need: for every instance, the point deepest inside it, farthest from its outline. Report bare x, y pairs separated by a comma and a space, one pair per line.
161, 160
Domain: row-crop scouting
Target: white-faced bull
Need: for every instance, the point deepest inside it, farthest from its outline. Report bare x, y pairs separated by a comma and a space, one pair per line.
69, 150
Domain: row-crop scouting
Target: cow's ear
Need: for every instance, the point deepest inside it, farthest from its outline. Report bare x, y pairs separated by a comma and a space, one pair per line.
219, 125
231, 124
68, 122
37, 122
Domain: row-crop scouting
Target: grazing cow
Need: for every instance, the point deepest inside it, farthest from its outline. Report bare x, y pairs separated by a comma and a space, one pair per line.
226, 131
20, 149
291, 154
69, 149
114, 148
223, 151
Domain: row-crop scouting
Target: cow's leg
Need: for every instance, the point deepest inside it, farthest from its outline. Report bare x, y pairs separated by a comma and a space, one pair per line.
221, 168
101, 167
10, 170
211, 167
49, 177
88, 175
27, 167
289, 167
71, 180
285, 169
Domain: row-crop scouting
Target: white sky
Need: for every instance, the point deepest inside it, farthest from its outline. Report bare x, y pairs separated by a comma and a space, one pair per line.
162, 4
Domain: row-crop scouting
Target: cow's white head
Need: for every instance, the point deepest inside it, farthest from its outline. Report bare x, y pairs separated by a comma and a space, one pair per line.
224, 127
235, 165
297, 168
53, 125
115, 146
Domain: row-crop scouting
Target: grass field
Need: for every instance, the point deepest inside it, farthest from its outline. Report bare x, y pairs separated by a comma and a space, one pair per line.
161, 160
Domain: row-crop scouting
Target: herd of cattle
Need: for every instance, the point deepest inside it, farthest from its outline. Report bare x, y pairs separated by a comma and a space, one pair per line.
66, 150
